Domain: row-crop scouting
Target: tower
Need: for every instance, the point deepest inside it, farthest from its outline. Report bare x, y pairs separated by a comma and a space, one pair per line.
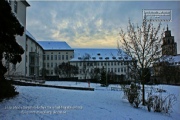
169, 47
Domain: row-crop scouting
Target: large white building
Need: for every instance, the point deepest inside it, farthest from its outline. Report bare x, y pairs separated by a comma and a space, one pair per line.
50, 54
55, 52
113, 61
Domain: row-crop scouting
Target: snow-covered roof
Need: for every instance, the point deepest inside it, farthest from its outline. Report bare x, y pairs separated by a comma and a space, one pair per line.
174, 60
30, 35
54, 45
99, 54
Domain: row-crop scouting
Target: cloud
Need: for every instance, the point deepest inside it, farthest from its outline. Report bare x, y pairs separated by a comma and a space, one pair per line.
89, 23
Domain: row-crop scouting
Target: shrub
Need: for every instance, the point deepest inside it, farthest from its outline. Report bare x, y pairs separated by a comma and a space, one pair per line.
159, 103
133, 94
7, 90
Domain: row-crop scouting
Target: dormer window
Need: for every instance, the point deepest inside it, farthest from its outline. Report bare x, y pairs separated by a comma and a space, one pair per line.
98, 54
107, 58
79, 58
100, 58
120, 57
113, 57
94, 58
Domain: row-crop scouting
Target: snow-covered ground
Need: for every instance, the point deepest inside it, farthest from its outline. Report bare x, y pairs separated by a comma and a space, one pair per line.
42, 103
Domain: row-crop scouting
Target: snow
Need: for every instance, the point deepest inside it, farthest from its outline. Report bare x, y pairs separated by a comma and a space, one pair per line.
171, 59
100, 54
54, 45
38, 103
30, 35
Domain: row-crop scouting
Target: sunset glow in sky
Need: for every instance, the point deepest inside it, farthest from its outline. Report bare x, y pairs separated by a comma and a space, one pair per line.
92, 24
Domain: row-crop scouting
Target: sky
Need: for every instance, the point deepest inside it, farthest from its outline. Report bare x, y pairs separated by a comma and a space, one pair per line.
93, 24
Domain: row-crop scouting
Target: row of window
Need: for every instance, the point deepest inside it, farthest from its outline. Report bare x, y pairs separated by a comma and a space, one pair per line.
56, 57
101, 63
52, 65
58, 52
113, 70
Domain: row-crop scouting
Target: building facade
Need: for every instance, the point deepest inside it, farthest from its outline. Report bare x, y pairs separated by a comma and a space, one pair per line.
34, 56
19, 9
50, 54
55, 53
113, 61
167, 68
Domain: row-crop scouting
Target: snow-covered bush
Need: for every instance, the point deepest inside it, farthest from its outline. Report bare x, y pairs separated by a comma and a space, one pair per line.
133, 94
160, 103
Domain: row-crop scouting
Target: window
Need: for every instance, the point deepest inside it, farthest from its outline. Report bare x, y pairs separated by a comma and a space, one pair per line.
51, 72
47, 65
15, 6
32, 71
59, 57
124, 69
55, 57
66, 57
118, 69
115, 70
121, 69
52, 65
32, 60
47, 57
62, 57
51, 57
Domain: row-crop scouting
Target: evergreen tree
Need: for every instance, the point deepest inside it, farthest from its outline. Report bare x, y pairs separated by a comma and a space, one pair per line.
103, 80
10, 50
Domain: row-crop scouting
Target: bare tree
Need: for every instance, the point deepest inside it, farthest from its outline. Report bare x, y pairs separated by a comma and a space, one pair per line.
86, 64
143, 44
66, 70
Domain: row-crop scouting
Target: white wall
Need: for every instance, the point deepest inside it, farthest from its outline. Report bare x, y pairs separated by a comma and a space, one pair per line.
52, 63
